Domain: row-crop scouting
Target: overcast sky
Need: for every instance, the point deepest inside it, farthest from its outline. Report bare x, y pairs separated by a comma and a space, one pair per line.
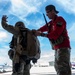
31, 13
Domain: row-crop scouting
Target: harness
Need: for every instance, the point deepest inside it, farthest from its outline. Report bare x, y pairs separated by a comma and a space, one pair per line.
60, 39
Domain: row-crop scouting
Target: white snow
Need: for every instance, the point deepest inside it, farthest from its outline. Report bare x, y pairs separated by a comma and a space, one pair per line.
40, 71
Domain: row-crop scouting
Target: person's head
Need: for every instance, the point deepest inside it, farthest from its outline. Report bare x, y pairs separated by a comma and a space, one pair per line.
20, 24
51, 11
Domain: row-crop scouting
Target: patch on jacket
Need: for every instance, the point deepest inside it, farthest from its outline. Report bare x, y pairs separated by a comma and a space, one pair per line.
59, 24
48, 24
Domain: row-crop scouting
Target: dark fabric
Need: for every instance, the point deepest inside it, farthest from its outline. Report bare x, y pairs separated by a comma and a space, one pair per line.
34, 60
62, 61
24, 38
24, 57
12, 43
21, 68
51, 7
11, 54
17, 66
27, 62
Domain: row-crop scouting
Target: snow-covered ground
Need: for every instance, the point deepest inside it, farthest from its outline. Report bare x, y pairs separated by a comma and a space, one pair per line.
41, 71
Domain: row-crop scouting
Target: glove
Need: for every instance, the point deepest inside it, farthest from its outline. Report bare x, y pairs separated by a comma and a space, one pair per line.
4, 18
34, 60
43, 35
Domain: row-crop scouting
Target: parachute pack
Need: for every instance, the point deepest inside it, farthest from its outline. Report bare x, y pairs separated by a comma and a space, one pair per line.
26, 44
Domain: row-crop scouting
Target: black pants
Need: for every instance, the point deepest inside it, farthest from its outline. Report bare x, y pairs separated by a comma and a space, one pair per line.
62, 61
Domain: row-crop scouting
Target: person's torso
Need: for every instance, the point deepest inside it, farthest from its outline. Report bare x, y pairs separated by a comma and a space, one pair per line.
64, 34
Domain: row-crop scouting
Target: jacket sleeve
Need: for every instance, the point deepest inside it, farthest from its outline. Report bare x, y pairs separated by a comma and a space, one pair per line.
43, 28
9, 28
58, 29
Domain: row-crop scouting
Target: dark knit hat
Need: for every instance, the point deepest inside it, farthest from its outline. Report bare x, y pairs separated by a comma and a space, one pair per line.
51, 7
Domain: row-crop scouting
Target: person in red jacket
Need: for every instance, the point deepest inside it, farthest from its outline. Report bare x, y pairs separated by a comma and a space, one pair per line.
58, 36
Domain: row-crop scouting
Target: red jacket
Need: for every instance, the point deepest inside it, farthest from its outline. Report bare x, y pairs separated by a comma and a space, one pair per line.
56, 28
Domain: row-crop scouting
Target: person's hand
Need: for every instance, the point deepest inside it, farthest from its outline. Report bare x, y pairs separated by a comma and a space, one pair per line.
38, 33
35, 32
4, 18
34, 60
43, 35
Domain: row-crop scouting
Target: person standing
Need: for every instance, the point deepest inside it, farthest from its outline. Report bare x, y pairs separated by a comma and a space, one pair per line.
22, 51
58, 36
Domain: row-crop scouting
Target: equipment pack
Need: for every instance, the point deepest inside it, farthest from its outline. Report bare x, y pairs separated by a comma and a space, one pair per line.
26, 44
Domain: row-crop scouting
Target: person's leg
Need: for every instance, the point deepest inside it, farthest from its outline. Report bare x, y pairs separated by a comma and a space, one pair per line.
19, 70
27, 69
13, 68
55, 62
62, 61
